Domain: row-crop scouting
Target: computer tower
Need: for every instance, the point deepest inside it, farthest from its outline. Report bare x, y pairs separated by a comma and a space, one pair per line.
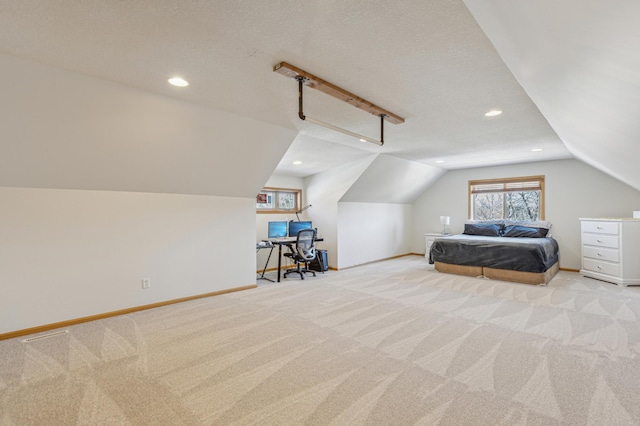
316, 265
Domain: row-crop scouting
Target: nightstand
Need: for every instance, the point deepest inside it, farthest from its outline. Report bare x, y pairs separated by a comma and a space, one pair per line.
430, 236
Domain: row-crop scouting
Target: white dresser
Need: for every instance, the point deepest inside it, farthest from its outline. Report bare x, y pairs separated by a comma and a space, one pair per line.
611, 250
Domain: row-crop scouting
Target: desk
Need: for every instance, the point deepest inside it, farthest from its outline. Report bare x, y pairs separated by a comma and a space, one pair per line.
285, 242
260, 246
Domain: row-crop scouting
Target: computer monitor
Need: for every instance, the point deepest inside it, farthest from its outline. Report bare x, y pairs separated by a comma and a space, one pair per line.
278, 229
295, 227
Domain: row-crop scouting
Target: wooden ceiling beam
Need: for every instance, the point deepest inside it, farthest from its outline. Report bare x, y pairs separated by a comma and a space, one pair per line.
315, 82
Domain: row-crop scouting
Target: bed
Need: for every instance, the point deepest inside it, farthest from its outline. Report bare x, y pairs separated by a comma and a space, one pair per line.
522, 252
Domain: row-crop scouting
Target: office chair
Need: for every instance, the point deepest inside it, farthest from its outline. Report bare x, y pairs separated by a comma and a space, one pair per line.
304, 252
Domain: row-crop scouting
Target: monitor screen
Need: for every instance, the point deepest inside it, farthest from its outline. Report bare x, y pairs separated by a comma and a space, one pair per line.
278, 229
294, 227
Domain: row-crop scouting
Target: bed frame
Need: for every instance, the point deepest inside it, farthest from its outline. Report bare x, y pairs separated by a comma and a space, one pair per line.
541, 278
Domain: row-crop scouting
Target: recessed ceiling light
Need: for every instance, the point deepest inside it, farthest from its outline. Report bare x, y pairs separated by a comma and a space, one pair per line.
536, 150
177, 81
297, 162
363, 140
440, 161
493, 113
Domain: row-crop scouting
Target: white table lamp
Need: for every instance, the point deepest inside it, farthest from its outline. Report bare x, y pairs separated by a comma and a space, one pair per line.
444, 221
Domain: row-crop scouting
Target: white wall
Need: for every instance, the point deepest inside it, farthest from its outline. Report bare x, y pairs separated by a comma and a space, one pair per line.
324, 191
66, 254
70, 250
573, 189
373, 215
361, 209
372, 231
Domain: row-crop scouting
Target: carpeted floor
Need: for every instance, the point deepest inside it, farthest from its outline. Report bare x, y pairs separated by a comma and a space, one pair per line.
391, 343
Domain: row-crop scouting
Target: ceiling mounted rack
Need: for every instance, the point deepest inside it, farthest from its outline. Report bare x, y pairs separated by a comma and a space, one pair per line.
310, 80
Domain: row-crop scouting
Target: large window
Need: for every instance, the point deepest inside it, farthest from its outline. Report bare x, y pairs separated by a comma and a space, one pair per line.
278, 200
519, 198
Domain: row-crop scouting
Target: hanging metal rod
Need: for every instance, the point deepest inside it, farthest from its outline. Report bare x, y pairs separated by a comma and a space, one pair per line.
345, 131
331, 126
315, 82
305, 78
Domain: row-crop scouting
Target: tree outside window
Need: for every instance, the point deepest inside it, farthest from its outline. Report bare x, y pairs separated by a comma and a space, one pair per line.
520, 198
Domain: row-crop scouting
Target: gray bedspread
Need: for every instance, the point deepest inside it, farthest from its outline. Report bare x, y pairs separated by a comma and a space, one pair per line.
514, 254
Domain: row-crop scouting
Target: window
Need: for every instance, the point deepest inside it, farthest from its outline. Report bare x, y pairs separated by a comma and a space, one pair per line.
519, 198
278, 200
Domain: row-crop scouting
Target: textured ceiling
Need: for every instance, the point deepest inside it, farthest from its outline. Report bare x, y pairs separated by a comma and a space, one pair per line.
427, 61
579, 61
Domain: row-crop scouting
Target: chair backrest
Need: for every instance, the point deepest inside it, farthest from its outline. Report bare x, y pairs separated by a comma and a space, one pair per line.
305, 244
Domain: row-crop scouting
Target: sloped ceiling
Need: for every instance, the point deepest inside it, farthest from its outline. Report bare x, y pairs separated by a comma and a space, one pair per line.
579, 61
426, 60
389, 179
565, 73
70, 131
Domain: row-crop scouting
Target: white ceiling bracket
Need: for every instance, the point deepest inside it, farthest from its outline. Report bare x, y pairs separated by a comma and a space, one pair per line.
304, 78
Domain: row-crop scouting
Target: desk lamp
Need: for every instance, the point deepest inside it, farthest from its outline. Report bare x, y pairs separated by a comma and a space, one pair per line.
444, 221
301, 210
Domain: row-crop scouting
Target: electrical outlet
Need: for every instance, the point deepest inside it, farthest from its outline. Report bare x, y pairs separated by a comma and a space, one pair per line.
146, 283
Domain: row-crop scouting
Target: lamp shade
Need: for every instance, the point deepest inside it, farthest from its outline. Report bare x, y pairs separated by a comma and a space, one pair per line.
444, 220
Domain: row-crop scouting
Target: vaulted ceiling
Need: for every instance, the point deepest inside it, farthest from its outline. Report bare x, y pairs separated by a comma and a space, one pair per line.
565, 74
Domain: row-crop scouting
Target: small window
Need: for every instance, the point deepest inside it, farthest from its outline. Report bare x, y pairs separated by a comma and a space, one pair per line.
519, 198
278, 200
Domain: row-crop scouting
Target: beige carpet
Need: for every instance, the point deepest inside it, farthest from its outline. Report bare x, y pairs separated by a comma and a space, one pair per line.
391, 343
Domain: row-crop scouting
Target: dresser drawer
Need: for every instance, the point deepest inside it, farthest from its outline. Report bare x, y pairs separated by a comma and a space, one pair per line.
601, 267
601, 227
612, 255
611, 241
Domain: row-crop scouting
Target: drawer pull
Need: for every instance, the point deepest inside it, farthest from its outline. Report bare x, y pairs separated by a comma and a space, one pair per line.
599, 227
599, 254
599, 267
599, 241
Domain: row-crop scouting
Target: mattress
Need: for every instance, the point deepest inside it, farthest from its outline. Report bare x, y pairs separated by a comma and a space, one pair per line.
514, 254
